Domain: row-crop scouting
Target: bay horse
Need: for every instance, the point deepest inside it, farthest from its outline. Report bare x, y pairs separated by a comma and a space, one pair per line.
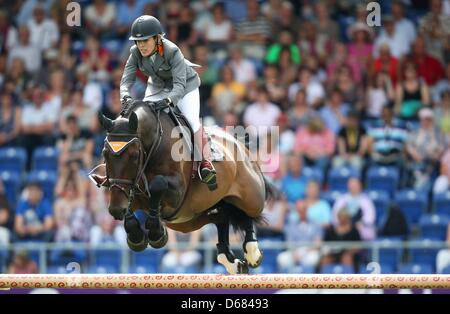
141, 174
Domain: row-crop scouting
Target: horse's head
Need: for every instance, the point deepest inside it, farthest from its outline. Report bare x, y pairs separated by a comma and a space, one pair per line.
123, 154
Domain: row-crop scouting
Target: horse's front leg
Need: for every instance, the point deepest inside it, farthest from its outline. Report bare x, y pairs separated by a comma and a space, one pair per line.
157, 232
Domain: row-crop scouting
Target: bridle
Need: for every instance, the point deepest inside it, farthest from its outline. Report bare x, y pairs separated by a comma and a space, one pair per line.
131, 188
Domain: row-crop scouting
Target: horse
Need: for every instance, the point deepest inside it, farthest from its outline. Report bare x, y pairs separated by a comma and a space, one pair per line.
141, 174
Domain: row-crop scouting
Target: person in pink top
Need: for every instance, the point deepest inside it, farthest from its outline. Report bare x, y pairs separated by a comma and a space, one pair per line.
315, 142
360, 48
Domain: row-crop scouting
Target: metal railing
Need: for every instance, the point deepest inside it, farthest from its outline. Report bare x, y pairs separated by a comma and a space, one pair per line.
209, 249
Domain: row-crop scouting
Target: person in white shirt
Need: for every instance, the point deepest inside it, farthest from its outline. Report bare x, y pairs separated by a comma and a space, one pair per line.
244, 70
399, 46
315, 92
219, 29
100, 16
44, 32
404, 28
262, 114
29, 53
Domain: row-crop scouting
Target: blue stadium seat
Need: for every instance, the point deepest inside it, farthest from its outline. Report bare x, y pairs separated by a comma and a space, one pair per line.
390, 254
57, 270
425, 254
312, 173
45, 158
330, 196
381, 200
107, 257
384, 269
383, 179
338, 177
95, 269
147, 258
337, 269
301, 269
441, 203
143, 269
415, 269
412, 203
434, 226
47, 180
12, 181
13, 159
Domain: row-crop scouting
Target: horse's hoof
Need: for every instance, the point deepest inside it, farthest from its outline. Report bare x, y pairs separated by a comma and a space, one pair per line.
252, 254
161, 242
138, 247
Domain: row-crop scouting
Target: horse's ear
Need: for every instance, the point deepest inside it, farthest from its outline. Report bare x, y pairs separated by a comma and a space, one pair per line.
106, 123
133, 122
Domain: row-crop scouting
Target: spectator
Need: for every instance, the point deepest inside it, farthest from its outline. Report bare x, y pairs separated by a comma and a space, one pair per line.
335, 111
325, 25
287, 136
219, 31
435, 27
86, 117
379, 93
22, 264
441, 86
351, 93
227, 95
359, 207
412, 94
405, 29
386, 64
286, 19
126, 13
318, 211
338, 59
253, 32
5, 217
72, 219
100, 16
261, 114
360, 48
343, 230
300, 113
315, 93
17, 76
8, 33
387, 139
443, 256
307, 234
392, 39
275, 215
243, 68
311, 43
38, 123
76, 145
96, 58
428, 67
352, 143
106, 230
442, 183
288, 68
10, 116
44, 32
286, 41
182, 252
92, 91
208, 72
442, 114
293, 183
27, 51
274, 85
34, 216
316, 143
425, 147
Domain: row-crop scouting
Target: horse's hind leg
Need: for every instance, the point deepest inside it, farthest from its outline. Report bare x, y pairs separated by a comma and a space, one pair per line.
251, 250
224, 255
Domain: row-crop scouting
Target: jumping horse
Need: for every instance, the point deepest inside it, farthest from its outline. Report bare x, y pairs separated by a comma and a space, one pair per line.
141, 174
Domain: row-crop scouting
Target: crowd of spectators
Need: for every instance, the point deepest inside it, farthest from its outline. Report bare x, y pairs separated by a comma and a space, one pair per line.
343, 94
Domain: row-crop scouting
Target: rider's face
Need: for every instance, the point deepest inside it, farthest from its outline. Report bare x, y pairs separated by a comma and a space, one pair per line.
146, 47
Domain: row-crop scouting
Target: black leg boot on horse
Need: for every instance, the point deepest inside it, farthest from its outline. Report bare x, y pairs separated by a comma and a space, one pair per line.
224, 254
157, 232
206, 170
136, 238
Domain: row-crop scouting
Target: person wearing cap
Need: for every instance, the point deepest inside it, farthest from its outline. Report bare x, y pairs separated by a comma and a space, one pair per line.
425, 148
172, 81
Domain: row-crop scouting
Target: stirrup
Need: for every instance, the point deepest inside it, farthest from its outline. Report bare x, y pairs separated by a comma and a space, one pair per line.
208, 176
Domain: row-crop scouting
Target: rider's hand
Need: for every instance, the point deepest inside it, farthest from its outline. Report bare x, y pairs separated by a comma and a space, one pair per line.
164, 102
126, 100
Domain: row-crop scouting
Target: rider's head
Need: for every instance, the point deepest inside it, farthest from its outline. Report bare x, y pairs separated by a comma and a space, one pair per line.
146, 31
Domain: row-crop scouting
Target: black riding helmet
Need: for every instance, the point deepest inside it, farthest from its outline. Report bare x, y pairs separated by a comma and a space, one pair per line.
144, 27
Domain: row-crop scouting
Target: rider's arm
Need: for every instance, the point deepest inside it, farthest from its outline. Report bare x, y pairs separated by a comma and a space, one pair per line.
178, 75
129, 74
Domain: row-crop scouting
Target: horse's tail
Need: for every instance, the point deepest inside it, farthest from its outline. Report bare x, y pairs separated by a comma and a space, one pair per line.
272, 192
238, 219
